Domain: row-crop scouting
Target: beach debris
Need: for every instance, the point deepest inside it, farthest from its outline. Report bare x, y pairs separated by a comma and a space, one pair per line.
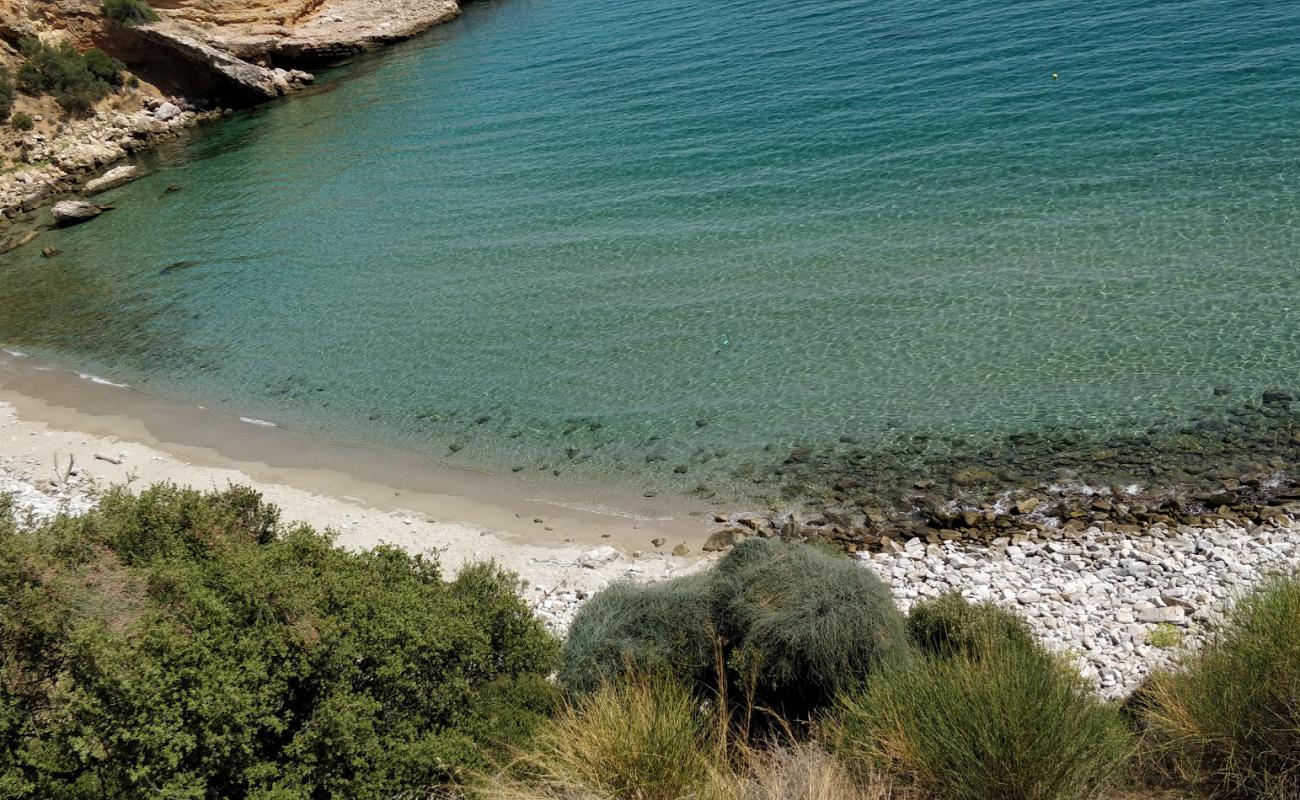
658, 541
50, 252
110, 459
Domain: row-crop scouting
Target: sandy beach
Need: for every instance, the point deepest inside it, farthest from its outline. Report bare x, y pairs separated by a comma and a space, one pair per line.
65, 438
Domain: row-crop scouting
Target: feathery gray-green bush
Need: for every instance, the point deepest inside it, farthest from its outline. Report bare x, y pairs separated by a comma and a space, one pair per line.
791, 625
662, 628
805, 622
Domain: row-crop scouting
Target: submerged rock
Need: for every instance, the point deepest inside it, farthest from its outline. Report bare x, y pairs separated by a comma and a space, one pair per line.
72, 212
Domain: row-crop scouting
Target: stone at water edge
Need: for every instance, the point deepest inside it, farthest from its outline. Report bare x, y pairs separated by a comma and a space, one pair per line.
167, 111
72, 212
115, 177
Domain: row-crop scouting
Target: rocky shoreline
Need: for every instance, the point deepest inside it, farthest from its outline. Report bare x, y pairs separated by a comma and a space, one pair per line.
1238, 465
198, 61
61, 166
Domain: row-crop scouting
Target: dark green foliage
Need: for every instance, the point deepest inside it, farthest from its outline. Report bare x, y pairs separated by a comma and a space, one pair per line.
6, 94
182, 644
789, 624
665, 627
803, 623
1008, 723
129, 12
22, 122
103, 67
1230, 716
950, 626
75, 79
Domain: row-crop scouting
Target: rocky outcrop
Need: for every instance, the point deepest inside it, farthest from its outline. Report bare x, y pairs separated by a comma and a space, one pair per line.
73, 212
118, 176
181, 62
346, 27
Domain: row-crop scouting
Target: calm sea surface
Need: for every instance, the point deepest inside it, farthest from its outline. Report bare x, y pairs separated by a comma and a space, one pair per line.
654, 237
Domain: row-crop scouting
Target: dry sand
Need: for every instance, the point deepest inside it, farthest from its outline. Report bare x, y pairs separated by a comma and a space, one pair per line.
563, 546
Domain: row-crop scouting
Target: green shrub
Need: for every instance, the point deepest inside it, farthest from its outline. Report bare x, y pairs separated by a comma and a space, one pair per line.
1011, 724
22, 121
103, 67
803, 623
950, 626
6, 94
642, 738
129, 12
666, 628
181, 644
1230, 716
788, 625
77, 81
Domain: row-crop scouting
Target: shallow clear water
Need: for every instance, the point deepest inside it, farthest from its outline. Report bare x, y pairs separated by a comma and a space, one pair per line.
602, 236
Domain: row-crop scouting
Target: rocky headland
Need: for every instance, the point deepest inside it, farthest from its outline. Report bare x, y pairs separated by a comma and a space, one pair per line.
195, 62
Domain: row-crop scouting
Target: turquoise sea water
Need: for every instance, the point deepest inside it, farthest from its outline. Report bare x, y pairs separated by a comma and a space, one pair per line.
609, 237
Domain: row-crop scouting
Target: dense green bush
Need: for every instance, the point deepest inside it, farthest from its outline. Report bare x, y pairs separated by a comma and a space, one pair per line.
1008, 723
951, 626
76, 80
180, 644
22, 122
788, 624
803, 623
129, 12
666, 628
1230, 716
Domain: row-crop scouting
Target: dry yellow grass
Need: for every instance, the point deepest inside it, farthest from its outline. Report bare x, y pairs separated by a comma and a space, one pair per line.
647, 738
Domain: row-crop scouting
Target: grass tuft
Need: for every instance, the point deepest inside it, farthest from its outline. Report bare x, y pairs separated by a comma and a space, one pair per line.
978, 722
642, 738
1230, 716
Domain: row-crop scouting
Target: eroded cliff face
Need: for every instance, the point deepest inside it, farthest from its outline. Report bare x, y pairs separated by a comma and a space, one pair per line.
199, 57
226, 52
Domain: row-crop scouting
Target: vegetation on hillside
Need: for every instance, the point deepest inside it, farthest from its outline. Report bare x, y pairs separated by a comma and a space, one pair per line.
188, 645
1229, 716
178, 644
129, 12
76, 80
773, 626
984, 713
6, 94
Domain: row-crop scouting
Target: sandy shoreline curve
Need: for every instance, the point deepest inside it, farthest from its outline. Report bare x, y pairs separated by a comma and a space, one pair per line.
105, 434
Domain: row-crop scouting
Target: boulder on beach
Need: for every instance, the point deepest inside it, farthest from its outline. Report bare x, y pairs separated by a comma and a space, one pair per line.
115, 177
72, 212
